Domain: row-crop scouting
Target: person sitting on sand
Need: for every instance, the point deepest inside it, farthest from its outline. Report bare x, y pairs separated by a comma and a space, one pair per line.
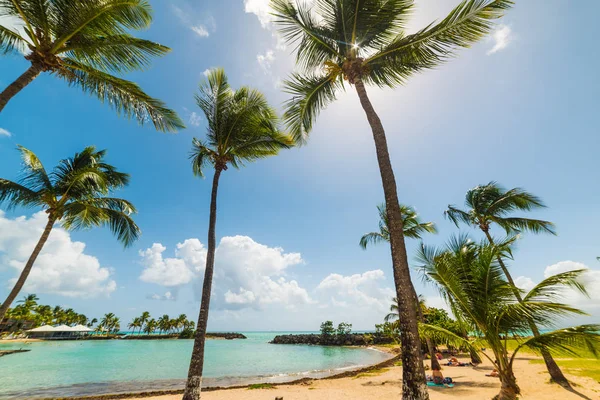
453, 362
439, 355
439, 379
493, 374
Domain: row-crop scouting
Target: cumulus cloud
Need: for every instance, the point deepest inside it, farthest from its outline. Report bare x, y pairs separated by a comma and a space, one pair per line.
62, 267
357, 291
247, 274
502, 37
265, 61
4, 132
203, 29
261, 9
168, 296
190, 256
193, 117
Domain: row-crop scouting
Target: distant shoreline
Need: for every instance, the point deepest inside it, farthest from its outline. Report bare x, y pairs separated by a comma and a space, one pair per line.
211, 335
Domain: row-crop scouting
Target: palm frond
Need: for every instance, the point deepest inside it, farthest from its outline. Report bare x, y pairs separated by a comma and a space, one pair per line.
115, 213
553, 287
406, 54
116, 53
200, 156
518, 224
314, 43
11, 41
441, 335
34, 174
76, 19
570, 341
372, 238
124, 96
457, 216
311, 93
15, 195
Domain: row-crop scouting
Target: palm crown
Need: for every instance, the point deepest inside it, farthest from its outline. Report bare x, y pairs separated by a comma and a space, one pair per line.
241, 126
76, 192
492, 204
411, 223
472, 282
365, 40
86, 43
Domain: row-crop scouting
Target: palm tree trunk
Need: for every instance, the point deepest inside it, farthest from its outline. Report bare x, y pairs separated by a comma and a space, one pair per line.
435, 365
25, 79
553, 369
194, 381
25, 273
413, 374
509, 390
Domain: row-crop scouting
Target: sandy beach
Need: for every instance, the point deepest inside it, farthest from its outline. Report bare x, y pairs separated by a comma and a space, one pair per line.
470, 384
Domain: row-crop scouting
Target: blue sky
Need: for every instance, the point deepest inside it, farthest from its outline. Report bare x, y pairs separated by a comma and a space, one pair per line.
519, 108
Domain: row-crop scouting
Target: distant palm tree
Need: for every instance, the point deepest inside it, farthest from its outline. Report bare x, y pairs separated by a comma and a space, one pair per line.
108, 323
88, 44
164, 323
150, 326
135, 324
491, 204
92, 322
413, 228
181, 321
75, 193
473, 284
29, 302
365, 43
242, 127
44, 315
145, 317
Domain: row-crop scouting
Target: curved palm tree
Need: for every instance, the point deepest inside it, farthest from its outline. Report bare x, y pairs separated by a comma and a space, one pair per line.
75, 193
413, 228
364, 43
242, 127
491, 204
93, 322
473, 284
145, 317
163, 323
150, 326
134, 324
87, 44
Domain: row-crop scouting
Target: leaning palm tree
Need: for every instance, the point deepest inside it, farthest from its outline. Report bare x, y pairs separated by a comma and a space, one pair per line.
242, 127
75, 193
134, 324
365, 43
473, 284
491, 204
88, 44
145, 317
413, 228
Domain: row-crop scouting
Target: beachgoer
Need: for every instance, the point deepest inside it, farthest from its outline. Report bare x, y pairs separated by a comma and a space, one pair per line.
493, 374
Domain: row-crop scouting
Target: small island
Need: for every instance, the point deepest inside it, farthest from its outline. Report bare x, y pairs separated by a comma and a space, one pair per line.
329, 336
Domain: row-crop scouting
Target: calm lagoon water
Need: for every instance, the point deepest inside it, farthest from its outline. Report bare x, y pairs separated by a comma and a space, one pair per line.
77, 368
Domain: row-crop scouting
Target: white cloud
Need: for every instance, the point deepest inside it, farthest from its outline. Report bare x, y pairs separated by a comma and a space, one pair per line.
502, 37
207, 71
265, 61
261, 9
247, 273
190, 256
4, 132
203, 30
168, 296
194, 119
525, 283
61, 268
358, 290
200, 30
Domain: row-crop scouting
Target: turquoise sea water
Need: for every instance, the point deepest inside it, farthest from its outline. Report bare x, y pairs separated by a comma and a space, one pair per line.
77, 368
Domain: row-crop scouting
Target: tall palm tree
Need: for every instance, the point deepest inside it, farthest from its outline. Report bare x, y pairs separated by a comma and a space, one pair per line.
88, 44
29, 302
107, 323
242, 127
181, 321
473, 284
75, 193
364, 42
413, 228
491, 204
